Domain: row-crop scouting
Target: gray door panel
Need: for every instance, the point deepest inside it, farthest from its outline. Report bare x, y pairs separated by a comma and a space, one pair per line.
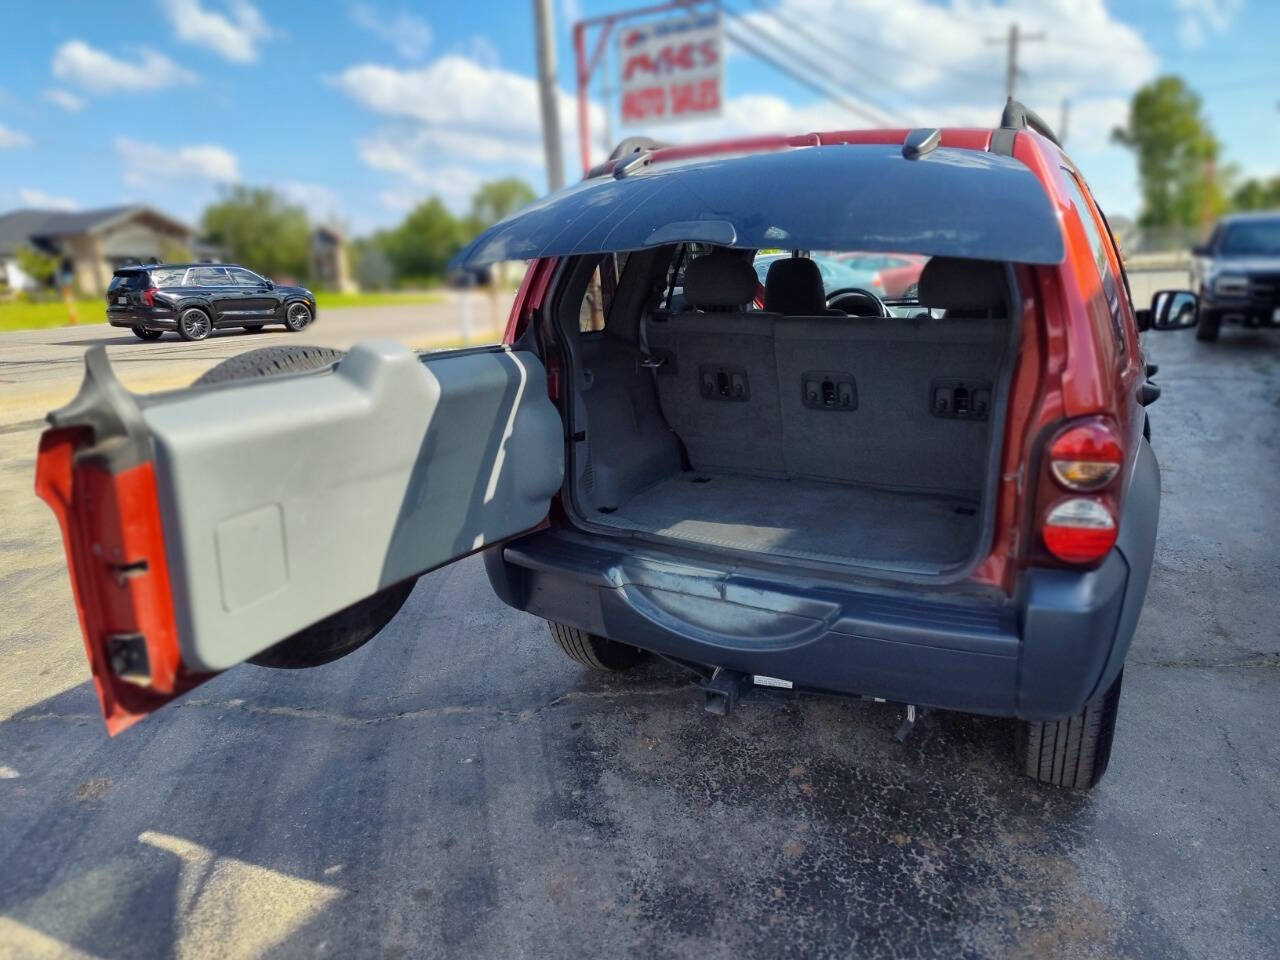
287, 499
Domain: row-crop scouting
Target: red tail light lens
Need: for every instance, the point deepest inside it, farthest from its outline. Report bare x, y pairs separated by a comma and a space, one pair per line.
1086, 456
1079, 530
149, 297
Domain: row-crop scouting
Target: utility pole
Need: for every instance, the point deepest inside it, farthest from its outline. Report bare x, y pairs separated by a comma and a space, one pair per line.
544, 28
1014, 38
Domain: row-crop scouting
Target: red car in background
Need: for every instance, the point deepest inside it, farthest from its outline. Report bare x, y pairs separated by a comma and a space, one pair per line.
892, 274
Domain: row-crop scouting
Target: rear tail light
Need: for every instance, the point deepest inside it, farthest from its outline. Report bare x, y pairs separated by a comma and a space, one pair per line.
1086, 456
1079, 530
876, 281
149, 297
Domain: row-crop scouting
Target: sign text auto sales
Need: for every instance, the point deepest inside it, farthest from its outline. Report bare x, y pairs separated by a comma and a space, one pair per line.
671, 70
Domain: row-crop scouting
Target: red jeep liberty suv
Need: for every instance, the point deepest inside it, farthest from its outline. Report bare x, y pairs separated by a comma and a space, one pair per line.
945, 499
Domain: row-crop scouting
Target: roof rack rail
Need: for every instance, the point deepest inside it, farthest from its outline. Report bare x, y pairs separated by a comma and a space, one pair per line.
1017, 116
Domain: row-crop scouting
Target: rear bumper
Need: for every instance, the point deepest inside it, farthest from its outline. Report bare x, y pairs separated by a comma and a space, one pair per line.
1039, 655
146, 319
952, 655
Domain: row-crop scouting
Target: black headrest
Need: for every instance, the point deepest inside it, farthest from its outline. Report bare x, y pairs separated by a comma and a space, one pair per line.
719, 279
793, 287
952, 283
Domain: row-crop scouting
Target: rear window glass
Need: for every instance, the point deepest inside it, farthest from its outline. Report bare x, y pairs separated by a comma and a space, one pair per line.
128, 280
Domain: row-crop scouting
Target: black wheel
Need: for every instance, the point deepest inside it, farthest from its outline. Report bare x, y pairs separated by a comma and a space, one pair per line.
1208, 327
1073, 752
340, 633
142, 333
253, 327
194, 324
297, 316
594, 651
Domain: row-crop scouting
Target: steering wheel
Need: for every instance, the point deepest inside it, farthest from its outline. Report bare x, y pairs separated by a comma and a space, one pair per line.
858, 299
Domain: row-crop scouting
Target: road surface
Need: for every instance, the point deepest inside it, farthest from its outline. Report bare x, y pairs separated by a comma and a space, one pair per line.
459, 788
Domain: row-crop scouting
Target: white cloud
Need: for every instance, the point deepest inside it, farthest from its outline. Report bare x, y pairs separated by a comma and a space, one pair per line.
233, 34
462, 109
65, 99
145, 163
408, 34
1086, 48
1200, 17
30, 197
97, 72
13, 138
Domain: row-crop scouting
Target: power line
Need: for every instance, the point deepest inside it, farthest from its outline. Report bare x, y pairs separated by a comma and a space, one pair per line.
825, 86
832, 51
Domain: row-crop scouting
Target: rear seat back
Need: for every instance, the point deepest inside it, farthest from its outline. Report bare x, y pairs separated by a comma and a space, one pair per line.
732, 383
718, 386
892, 438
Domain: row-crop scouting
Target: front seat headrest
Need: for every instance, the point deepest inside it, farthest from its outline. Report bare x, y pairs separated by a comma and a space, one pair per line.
794, 287
719, 280
953, 283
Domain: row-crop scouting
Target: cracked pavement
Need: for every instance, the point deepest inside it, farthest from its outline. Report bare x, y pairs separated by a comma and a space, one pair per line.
457, 787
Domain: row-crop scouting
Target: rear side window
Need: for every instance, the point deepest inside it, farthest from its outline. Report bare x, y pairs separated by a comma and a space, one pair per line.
593, 312
1110, 283
209, 277
168, 278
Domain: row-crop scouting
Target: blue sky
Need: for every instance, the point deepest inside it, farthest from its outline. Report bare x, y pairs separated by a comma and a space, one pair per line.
360, 108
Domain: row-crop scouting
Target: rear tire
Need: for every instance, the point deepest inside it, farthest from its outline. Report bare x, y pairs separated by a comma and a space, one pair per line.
142, 333
1208, 326
351, 628
194, 324
1073, 752
596, 652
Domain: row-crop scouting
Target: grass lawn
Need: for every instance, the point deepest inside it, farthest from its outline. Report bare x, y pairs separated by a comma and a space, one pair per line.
18, 315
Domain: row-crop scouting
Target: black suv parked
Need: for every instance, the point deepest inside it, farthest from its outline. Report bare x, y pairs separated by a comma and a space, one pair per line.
1237, 273
194, 298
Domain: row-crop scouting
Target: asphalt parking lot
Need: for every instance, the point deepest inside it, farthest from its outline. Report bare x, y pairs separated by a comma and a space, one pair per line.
458, 787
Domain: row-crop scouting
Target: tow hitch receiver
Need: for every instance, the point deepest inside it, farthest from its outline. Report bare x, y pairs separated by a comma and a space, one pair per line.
723, 690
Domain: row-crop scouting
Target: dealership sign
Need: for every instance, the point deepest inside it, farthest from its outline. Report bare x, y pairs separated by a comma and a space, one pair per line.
671, 70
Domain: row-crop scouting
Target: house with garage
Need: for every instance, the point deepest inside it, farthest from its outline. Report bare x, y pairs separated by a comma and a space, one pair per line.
89, 244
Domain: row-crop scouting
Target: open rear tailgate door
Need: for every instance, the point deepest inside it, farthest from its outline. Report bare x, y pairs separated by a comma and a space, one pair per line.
205, 525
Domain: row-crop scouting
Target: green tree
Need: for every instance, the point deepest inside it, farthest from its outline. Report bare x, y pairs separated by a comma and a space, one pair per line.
1255, 194
255, 226
421, 246
1176, 152
496, 199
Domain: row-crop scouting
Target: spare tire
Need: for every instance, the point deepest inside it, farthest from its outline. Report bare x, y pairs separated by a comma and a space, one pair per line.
351, 628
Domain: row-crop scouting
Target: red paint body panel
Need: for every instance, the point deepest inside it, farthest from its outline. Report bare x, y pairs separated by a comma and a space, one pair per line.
115, 552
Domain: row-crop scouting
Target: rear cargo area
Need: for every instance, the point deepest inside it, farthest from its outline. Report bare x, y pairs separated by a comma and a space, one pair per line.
864, 441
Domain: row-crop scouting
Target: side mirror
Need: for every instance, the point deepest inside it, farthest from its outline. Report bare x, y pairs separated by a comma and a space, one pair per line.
1173, 310
271, 284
